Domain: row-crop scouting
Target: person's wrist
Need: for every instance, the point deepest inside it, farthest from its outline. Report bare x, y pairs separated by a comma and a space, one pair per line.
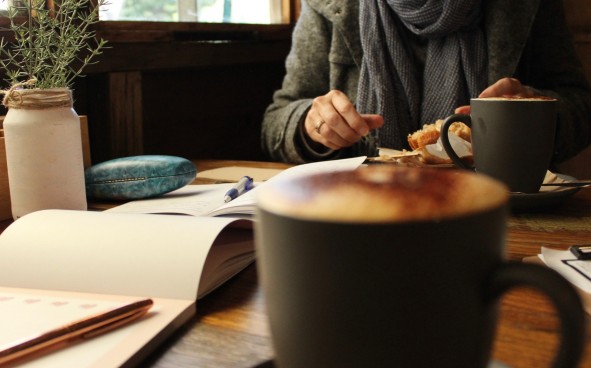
312, 149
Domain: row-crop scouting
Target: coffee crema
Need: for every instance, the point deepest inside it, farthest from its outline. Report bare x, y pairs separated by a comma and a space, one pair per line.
516, 98
383, 194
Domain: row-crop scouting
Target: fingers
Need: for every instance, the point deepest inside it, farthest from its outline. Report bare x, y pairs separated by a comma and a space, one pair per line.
373, 121
334, 121
463, 110
507, 87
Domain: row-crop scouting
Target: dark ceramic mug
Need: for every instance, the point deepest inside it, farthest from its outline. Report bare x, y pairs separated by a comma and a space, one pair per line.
393, 267
512, 139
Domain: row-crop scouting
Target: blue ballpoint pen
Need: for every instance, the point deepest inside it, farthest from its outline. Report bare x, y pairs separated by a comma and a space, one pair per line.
243, 185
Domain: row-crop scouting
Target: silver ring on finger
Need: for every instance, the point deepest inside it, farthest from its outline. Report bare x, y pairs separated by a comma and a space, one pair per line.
319, 126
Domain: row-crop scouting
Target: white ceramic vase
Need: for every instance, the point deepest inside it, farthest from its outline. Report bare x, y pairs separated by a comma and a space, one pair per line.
43, 151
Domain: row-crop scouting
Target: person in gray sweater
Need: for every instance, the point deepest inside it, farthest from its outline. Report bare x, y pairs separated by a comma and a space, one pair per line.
365, 74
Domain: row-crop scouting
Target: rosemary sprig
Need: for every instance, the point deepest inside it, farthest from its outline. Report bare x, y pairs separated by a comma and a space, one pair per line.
52, 45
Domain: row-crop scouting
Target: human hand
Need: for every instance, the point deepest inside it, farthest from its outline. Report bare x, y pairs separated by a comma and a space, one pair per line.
505, 87
334, 122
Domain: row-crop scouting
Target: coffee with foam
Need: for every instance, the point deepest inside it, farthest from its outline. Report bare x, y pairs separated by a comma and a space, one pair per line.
354, 263
383, 194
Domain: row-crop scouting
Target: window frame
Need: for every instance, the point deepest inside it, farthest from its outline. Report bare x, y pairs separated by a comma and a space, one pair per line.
170, 45
148, 31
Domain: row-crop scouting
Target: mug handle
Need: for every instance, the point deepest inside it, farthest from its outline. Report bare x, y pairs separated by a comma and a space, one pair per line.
563, 296
445, 138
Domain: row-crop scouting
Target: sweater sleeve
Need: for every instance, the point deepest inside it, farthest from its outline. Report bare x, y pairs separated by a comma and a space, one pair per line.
307, 76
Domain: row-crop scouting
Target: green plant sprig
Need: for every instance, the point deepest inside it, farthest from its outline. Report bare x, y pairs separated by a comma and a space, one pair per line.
50, 46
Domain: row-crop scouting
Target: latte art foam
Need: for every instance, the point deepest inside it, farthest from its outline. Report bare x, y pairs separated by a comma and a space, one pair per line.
383, 194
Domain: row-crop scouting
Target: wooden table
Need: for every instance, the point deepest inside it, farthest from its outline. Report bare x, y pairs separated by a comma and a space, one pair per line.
230, 328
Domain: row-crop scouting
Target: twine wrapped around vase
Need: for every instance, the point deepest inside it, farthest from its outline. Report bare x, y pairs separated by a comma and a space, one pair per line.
18, 97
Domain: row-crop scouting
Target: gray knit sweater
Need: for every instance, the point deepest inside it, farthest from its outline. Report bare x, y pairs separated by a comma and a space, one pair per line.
527, 40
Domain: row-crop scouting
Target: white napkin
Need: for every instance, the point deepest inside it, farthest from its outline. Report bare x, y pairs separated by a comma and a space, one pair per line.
462, 147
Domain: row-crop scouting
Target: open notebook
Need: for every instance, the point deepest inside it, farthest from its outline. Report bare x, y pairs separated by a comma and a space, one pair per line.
57, 266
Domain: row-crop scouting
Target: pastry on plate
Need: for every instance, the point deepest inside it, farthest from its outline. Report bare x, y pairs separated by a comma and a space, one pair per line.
427, 148
430, 133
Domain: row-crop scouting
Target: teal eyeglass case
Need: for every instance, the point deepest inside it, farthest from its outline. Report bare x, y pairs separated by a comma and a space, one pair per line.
137, 177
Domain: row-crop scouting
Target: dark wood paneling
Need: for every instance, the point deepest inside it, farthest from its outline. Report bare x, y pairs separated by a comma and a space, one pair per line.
128, 56
212, 112
192, 99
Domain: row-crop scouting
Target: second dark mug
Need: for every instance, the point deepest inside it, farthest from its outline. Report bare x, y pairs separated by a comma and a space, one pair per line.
512, 139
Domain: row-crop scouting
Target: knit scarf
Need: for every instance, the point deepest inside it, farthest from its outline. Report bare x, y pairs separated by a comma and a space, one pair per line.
455, 66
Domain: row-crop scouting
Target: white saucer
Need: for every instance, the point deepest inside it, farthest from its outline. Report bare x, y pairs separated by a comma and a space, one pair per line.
548, 196
271, 364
